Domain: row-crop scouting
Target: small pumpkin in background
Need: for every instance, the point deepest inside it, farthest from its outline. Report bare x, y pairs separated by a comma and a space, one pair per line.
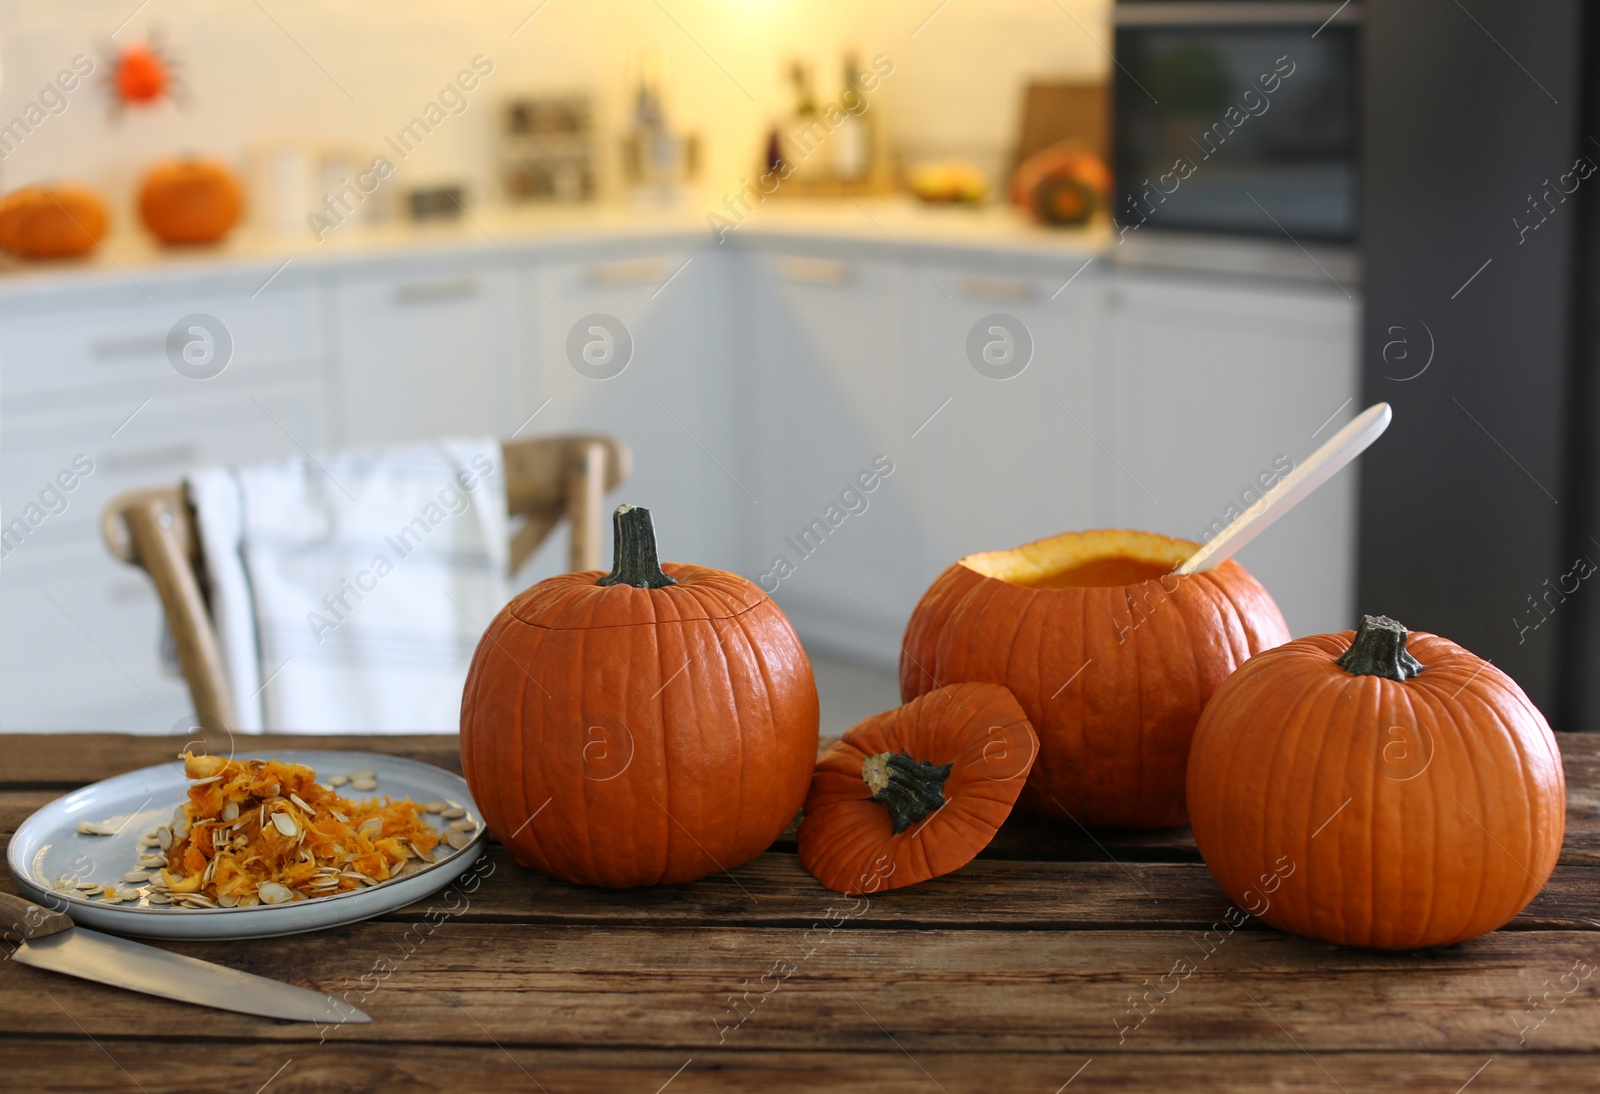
916, 792
648, 726
1109, 653
185, 201
56, 221
1377, 788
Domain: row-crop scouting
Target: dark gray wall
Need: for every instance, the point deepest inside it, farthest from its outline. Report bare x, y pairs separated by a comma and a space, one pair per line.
1464, 501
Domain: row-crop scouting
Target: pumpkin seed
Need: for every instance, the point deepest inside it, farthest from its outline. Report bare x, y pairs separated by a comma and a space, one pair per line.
136, 875
226, 900
338, 816
230, 811
310, 812
206, 781
150, 862
464, 825
97, 828
338, 780
284, 824
363, 784
158, 898
436, 807
164, 838
271, 892
372, 826
457, 839
86, 885
365, 773
455, 812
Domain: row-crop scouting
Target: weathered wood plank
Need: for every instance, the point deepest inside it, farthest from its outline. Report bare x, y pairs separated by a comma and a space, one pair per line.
71, 760
774, 890
39, 1066
310, 1069
698, 989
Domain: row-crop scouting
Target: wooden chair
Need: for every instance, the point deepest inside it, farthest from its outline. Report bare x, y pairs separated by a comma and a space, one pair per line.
546, 479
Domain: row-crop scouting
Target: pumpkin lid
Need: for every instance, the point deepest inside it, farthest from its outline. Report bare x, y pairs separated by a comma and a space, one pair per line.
916, 792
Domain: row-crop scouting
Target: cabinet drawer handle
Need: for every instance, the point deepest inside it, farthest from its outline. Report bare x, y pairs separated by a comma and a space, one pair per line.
435, 292
997, 288
641, 271
183, 454
817, 271
138, 345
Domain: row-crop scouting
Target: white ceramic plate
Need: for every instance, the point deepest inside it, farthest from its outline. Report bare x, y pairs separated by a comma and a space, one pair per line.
48, 846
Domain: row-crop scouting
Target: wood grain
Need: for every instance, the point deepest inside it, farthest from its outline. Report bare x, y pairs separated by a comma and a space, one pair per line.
305, 1069
1044, 955
934, 990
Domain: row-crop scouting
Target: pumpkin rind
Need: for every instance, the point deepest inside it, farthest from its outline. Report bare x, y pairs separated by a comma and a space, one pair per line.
1112, 678
848, 841
652, 735
52, 221
1397, 813
190, 201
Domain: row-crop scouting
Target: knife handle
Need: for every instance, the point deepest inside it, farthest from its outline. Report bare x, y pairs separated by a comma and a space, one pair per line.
22, 919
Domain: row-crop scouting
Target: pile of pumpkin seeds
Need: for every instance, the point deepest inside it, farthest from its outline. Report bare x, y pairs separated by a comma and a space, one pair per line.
148, 883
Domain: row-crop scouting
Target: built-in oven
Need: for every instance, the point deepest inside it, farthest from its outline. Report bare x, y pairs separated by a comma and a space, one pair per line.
1238, 117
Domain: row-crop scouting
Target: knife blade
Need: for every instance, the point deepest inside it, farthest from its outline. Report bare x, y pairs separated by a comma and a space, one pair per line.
51, 941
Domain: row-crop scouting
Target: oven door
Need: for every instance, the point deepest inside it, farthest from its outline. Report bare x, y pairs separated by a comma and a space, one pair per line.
1238, 117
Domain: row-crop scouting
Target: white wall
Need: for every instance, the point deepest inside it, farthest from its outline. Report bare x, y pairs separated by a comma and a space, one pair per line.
254, 78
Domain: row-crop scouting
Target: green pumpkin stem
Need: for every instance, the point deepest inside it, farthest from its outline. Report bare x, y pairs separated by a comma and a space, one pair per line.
1379, 649
635, 561
909, 789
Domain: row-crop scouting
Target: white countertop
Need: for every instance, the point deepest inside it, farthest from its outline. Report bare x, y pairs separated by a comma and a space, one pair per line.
898, 224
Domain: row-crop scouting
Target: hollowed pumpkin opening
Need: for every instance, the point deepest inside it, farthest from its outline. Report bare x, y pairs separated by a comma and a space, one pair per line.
1084, 560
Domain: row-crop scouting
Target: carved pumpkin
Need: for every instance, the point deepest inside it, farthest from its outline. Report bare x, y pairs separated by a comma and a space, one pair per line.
1111, 656
52, 221
648, 726
190, 201
916, 792
1375, 788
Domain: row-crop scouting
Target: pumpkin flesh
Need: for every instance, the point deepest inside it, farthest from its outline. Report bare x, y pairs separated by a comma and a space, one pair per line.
1112, 673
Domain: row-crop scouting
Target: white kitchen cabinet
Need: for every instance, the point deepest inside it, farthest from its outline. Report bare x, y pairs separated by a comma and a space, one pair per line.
80, 644
426, 351
836, 390
1016, 450
1214, 384
658, 375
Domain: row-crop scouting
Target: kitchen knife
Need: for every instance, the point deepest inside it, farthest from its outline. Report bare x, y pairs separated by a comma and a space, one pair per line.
50, 940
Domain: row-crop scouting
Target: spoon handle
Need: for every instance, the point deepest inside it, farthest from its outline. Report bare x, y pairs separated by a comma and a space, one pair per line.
1339, 450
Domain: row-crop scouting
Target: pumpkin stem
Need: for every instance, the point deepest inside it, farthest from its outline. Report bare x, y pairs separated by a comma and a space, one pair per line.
635, 560
1379, 649
909, 789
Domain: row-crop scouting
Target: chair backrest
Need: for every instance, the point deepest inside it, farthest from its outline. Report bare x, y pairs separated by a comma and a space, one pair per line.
547, 478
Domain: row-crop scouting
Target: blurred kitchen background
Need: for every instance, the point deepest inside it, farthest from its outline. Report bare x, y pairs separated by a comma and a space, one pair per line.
1032, 265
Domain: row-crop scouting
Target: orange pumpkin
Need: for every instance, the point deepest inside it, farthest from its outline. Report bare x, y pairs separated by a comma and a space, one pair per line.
918, 791
1374, 788
190, 201
648, 726
52, 221
1111, 656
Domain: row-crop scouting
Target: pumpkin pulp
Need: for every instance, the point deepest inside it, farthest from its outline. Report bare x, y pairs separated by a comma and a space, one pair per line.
909, 789
1084, 560
1379, 649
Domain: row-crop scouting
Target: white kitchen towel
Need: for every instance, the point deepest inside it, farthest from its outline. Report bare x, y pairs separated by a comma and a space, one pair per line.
349, 593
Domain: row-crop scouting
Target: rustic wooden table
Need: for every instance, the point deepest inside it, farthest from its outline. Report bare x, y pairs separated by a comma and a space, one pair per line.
1038, 967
